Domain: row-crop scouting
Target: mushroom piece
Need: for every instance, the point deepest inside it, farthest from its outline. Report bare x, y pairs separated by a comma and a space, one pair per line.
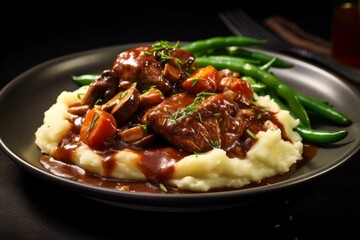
102, 89
136, 136
79, 110
123, 105
151, 97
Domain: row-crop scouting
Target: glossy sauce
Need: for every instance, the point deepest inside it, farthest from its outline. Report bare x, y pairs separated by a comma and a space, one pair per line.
225, 118
156, 162
75, 173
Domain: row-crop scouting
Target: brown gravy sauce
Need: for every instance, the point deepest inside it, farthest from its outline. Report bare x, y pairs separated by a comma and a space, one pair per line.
157, 162
164, 166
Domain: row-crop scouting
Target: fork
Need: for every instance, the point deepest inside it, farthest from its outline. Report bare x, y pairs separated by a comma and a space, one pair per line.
241, 24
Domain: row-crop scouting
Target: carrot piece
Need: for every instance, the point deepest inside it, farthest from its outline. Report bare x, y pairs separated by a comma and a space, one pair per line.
98, 126
204, 79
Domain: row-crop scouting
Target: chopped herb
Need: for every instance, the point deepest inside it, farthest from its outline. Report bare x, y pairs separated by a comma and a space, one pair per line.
92, 124
162, 187
178, 62
163, 49
167, 111
193, 106
229, 82
161, 45
146, 52
187, 74
148, 87
214, 143
144, 126
205, 94
185, 112
196, 80
175, 115
267, 65
164, 56
199, 117
197, 154
97, 101
251, 134
123, 94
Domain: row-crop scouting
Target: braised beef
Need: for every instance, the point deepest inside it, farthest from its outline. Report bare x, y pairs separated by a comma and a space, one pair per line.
197, 124
147, 68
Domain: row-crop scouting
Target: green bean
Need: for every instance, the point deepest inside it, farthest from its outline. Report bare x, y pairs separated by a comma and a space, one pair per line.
321, 136
262, 57
324, 110
85, 79
200, 46
310, 134
317, 100
234, 59
257, 87
251, 54
268, 65
267, 78
320, 108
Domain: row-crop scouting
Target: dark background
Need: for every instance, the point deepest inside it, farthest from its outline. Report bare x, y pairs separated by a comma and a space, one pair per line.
33, 33
33, 209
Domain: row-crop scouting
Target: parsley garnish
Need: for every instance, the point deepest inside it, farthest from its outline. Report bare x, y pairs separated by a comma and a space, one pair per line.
162, 187
162, 45
185, 112
251, 134
196, 80
92, 124
214, 143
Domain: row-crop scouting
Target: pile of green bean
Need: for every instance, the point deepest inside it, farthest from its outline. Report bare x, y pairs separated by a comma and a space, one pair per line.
231, 52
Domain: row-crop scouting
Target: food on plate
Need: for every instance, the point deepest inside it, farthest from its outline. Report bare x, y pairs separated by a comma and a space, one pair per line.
182, 119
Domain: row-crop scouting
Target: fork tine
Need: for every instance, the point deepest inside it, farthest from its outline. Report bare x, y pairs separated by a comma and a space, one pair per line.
229, 20
242, 24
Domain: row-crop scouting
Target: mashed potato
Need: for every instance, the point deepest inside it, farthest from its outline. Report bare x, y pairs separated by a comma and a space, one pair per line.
269, 156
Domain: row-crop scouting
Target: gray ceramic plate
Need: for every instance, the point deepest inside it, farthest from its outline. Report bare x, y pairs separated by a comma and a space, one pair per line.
24, 100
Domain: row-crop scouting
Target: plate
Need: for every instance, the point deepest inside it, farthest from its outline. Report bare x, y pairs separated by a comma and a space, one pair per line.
24, 100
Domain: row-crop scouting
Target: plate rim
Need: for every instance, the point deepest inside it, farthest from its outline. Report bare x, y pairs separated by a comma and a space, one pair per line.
153, 197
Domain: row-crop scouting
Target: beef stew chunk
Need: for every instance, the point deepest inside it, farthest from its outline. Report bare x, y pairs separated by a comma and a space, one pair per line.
147, 67
197, 124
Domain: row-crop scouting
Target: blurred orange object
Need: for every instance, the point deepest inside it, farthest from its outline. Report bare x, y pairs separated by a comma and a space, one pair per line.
345, 38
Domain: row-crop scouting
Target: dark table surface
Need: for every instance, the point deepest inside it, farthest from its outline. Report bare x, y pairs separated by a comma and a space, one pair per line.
31, 208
